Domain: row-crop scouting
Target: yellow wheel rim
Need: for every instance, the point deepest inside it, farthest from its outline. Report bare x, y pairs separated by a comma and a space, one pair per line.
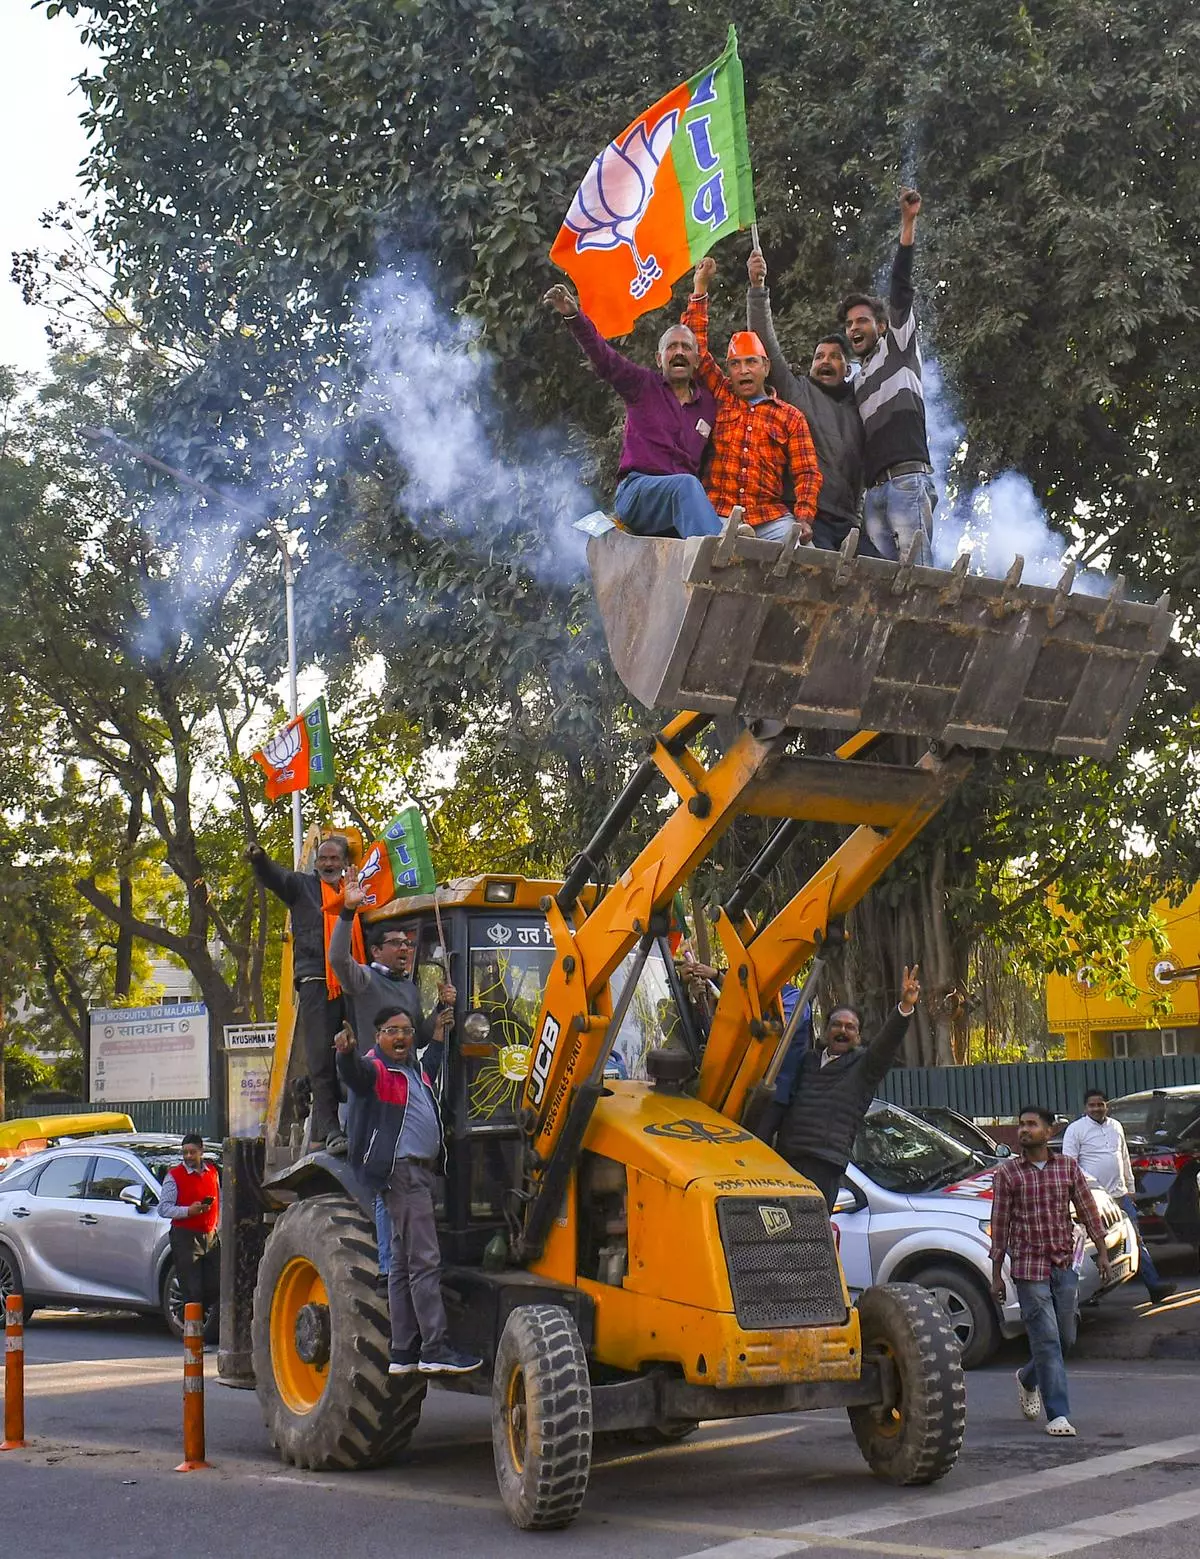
300, 1384
516, 1418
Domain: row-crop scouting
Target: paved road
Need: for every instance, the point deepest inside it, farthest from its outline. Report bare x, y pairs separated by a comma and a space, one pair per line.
103, 1414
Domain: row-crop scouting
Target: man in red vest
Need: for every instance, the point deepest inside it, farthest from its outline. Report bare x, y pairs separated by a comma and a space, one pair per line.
191, 1200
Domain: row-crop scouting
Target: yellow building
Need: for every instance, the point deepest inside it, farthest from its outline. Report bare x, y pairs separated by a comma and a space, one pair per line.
1097, 1027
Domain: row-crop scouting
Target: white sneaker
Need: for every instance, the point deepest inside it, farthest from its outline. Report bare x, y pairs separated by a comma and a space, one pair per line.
1030, 1399
1060, 1427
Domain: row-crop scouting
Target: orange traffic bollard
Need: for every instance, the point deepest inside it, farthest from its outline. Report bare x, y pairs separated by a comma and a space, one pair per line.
193, 1389
14, 1373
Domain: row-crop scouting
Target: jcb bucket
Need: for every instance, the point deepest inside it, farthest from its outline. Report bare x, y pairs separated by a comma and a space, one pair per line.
734, 625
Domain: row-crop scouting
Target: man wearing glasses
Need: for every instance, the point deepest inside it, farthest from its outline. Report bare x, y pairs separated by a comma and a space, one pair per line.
386, 983
387, 980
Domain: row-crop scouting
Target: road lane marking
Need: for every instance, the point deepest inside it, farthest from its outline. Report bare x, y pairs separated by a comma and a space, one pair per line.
955, 1501
693, 1447
64, 1380
1093, 1530
928, 1506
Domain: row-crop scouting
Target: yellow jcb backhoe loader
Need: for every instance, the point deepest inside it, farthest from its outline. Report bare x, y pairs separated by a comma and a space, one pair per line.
622, 1251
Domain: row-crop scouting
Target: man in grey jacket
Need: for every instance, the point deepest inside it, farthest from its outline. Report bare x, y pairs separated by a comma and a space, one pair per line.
826, 397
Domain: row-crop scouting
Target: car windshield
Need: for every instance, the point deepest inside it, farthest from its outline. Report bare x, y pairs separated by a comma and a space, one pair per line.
1133, 1114
159, 1159
901, 1153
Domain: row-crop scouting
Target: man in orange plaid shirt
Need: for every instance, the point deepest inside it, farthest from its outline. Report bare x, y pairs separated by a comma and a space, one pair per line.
762, 451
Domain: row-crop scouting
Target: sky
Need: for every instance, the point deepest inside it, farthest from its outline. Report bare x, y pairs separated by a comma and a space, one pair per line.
44, 144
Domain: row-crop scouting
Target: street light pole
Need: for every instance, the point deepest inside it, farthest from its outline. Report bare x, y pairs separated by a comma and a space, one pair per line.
287, 558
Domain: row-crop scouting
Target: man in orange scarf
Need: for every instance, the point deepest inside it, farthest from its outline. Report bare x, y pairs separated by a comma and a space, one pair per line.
315, 899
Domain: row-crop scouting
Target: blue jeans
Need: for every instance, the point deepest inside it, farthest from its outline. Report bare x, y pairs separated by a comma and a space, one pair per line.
1051, 1314
383, 1234
1147, 1271
774, 530
896, 510
665, 506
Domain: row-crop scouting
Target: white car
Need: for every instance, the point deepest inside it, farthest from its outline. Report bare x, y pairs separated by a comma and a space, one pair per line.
915, 1207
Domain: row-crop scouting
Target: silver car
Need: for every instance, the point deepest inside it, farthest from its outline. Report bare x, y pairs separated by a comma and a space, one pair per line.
916, 1207
79, 1227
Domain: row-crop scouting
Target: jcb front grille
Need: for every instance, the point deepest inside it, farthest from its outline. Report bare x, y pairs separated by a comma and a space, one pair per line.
783, 1267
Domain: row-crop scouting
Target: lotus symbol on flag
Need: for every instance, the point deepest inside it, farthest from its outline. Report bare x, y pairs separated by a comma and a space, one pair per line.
371, 867
283, 747
616, 192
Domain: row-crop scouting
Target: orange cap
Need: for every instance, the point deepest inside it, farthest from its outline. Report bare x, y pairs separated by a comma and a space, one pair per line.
745, 343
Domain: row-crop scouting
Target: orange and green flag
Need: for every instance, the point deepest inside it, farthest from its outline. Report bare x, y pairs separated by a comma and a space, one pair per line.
300, 755
659, 196
398, 864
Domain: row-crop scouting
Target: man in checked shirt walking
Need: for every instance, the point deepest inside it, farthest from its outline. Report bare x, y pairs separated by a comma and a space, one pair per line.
763, 459
1031, 1224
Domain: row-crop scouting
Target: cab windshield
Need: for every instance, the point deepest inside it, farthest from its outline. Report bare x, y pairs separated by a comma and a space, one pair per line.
904, 1154
510, 962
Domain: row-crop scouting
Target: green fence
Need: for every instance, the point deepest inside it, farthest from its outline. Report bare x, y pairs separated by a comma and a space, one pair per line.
171, 1115
995, 1092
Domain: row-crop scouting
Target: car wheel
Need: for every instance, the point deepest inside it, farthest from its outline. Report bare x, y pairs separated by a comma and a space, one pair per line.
11, 1281
172, 1308
970, 1311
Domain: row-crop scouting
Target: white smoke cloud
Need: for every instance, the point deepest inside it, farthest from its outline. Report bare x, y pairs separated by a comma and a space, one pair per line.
996, 522
433, 399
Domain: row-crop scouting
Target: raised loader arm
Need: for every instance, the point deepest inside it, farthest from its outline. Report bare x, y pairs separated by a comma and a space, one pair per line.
575, 1031
891, 805
785, 638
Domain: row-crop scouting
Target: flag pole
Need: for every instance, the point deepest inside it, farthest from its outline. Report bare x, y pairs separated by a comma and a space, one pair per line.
754, 243
289, 598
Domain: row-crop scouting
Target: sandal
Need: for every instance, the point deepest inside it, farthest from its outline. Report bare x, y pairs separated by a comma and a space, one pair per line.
1061, 1428
1030, 1398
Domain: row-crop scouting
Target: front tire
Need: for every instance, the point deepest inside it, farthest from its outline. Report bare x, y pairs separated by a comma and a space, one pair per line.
918, 1438
11, 1279
970, 1313
320, 1338
541, 1418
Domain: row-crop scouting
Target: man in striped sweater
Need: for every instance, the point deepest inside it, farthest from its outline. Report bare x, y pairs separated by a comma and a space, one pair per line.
900, 495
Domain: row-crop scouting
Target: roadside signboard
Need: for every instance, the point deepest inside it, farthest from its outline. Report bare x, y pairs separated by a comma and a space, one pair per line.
248, 1049
148, 1053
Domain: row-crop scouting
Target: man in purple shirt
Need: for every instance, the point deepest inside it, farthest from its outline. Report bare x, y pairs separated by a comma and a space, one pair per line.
669, 420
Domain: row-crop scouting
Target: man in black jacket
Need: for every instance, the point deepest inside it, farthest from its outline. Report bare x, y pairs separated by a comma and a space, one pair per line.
835, 1086
396, 1142
320, 1017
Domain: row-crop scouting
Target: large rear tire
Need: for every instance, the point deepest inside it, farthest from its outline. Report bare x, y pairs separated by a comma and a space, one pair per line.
321, 1338
918, 1438
541, 1418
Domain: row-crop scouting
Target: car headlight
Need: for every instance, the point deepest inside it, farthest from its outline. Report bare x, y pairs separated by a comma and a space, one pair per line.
985, 1225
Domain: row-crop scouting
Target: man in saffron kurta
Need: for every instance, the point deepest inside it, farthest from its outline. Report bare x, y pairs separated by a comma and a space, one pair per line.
763, 458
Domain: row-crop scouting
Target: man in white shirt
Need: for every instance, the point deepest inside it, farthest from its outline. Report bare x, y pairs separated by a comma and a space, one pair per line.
1098, 1143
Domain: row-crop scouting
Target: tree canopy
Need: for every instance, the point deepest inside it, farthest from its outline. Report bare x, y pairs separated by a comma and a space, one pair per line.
330, 224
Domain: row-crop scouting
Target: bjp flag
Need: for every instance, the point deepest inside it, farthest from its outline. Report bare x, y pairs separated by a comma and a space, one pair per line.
658, 198
300, 755
399, 864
